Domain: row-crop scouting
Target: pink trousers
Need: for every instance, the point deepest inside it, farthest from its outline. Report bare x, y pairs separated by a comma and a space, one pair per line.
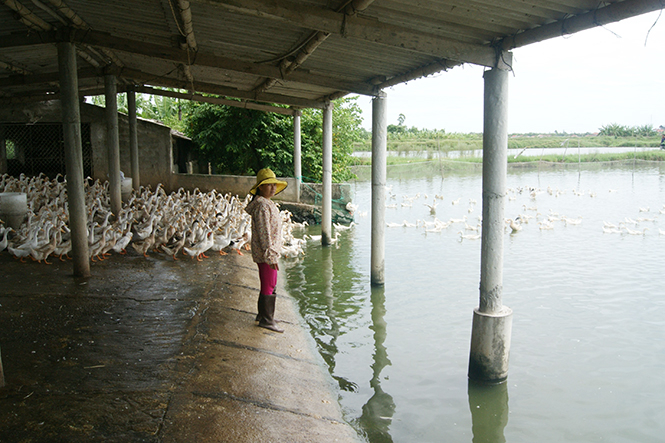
268, 277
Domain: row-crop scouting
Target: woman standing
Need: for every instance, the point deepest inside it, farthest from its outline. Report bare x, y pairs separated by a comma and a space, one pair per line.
266, 242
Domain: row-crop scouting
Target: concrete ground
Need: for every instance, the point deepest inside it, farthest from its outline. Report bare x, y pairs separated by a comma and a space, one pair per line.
156, 350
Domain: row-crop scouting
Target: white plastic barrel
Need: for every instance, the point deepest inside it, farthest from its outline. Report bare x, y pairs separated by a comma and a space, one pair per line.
13, 208
125, 188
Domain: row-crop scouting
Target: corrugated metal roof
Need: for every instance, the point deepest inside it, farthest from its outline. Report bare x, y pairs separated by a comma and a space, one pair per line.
248, 48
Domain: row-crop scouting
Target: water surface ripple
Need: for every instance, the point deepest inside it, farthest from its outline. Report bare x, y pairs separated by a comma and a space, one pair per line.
588, 340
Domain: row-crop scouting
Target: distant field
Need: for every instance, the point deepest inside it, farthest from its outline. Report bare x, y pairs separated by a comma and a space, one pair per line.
657, 155
462, 142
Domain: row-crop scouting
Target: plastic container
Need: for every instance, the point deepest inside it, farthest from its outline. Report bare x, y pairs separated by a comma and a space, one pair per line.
126, 188
13, 208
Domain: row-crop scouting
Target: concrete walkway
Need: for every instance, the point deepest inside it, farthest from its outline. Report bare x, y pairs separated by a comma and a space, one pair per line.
156, 350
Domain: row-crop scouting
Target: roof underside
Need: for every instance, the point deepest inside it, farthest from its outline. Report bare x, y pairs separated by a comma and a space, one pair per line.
298, 53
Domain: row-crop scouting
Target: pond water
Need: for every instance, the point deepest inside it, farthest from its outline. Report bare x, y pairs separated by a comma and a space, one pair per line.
588, 339
525, 152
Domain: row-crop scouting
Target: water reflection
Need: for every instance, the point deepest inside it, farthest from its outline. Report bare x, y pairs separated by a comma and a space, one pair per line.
512, 152
581, 291
489, 411
380, 408
323, 285
329, 331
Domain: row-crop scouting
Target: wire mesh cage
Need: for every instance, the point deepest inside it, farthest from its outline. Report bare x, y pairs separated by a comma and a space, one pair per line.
40, 148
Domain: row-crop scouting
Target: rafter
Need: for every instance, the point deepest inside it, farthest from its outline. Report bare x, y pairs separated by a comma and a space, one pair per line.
216, 100
614, 12
288, 66
104, 40
149, 78
13, 68
361, 28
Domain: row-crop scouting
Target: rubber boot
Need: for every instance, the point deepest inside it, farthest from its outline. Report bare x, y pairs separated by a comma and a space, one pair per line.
261, 307
267, 319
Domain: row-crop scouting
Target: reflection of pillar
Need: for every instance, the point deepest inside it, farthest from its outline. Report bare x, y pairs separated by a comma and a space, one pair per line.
380, 408
492, 322
330, 345
326, 208
489, 411
379, 144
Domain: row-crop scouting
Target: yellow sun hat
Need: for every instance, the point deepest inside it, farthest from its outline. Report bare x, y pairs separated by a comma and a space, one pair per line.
266, 176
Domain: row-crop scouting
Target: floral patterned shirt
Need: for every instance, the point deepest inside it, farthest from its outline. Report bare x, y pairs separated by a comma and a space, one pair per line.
266, 230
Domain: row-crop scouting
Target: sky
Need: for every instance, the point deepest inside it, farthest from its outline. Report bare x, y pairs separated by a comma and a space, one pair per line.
574, 84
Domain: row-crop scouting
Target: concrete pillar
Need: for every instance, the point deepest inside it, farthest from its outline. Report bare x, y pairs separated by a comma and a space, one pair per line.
71, 129
3, 156
492, 322
297, 153
133, 139
2, 373
379, 146
326, 208
113, 143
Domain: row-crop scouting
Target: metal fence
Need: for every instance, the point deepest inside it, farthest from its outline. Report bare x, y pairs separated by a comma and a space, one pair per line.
40, 148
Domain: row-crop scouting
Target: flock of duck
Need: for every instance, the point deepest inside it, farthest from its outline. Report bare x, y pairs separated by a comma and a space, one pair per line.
193, 223
547, 221
151, 221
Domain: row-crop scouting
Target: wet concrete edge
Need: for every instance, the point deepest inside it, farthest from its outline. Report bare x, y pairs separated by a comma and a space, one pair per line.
157, 350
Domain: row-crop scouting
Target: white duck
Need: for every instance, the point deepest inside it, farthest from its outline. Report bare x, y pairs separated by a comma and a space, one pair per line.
5, 241
222, 241
341, 227
198, 250
42, 252
239, 242
64, 247
96, 248
515, 227
469, 236
122, 242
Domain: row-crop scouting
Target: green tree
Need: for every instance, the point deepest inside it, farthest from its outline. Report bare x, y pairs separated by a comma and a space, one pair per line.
151, 107
616, 130
242, 141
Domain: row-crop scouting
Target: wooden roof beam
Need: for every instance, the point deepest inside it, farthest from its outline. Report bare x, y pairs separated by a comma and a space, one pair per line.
153, 79
48, 78
216, 100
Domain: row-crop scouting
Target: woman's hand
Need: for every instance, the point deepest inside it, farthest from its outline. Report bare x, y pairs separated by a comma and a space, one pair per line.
274, 266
